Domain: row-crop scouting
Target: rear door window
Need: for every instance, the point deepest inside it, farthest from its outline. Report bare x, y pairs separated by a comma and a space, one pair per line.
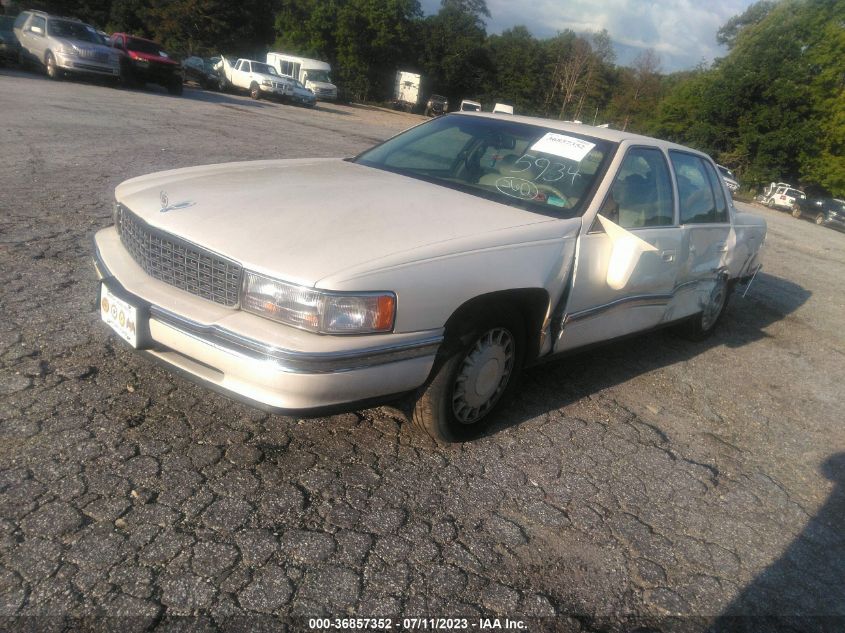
696, 196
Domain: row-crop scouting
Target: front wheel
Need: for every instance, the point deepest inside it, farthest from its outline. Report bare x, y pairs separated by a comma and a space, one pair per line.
820, 219
175, 87
53, 71
796, 212
255, 91
471, 379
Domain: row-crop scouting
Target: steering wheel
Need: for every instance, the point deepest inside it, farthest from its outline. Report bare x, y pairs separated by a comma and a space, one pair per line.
548, 189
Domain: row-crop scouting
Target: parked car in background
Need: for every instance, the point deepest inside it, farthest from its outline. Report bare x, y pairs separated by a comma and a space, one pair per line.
144, 61
784, 198
63, 45
10, 48
502, 108
729, 178
469, 106
280, 281
257, 78
201, 71
829, 211
313, 73
770, 189
436, 105
302, 95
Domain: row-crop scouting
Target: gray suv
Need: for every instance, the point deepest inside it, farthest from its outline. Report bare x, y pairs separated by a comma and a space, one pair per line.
63, 45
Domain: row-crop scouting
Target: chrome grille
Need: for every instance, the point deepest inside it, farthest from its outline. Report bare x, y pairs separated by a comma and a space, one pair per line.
179, 263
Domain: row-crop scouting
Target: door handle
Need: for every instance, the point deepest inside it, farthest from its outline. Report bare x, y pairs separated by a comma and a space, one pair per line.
667, 256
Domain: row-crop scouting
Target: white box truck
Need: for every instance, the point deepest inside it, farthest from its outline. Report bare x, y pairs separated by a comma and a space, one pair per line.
406, 93
313, 73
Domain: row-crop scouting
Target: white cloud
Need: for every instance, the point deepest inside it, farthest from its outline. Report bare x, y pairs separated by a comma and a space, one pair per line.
682, 32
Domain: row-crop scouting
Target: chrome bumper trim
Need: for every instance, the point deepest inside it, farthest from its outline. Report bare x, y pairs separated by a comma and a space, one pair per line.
291, 361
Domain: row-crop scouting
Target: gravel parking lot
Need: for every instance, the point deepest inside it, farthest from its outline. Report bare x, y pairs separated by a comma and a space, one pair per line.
651, 478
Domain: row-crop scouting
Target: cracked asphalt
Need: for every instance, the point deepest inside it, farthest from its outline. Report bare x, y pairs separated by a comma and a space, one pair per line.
655, 483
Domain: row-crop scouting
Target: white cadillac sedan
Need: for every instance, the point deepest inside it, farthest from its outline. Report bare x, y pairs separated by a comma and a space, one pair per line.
436, 264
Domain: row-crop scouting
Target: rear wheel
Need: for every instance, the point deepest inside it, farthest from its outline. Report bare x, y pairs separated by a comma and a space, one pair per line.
53, 70
222, 85
820, 219
471, 379
255, 91
175, 87
704, 324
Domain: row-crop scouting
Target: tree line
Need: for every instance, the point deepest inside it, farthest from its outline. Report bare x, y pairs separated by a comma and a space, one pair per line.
772, 109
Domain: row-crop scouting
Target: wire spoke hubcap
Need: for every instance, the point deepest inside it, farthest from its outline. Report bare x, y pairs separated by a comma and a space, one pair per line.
483, 375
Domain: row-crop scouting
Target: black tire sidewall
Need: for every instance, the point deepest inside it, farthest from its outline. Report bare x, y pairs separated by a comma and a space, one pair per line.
433, 409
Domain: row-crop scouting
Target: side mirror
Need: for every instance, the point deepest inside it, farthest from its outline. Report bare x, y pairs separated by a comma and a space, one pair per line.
37, 30
624, 255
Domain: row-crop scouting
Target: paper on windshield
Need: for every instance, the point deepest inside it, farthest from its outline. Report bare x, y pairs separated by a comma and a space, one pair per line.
564, 146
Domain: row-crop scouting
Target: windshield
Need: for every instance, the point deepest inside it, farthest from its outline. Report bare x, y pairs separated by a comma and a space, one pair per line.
144, 46
517, 164
319, 75
73, 31
725, 172
470, 107
258, 67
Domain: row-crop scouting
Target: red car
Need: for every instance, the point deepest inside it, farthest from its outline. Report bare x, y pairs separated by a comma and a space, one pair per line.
143, 61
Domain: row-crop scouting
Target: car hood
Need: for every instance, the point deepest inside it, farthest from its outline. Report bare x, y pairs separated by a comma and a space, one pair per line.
153, 58
303, 220
275, 78
79, 45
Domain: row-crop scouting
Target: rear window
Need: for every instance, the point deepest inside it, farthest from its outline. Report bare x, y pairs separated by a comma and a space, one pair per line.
794, 193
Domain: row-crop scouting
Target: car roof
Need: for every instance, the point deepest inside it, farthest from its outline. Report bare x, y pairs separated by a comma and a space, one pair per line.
606, 134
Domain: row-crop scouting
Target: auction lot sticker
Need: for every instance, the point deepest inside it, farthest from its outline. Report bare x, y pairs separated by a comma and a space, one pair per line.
121, 316
563, 146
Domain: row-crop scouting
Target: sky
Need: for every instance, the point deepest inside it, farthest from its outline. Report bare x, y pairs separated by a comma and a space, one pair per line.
682, 32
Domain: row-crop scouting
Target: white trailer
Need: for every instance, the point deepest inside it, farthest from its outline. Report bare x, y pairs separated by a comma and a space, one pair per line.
313, 73
406, 92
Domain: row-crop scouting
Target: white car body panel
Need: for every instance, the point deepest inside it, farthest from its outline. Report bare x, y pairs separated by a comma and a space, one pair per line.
342, 226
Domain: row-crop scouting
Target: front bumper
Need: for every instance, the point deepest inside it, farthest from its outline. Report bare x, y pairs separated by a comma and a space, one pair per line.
157, 73
836, 221
284, 369
83, 65
279, 93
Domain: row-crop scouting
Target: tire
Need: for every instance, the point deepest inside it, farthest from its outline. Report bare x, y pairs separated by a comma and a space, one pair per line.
127, 77
488, 356
222, 85
23, 62
255, 91
820, 218
796, 212
175, 88
53, 71
703, 324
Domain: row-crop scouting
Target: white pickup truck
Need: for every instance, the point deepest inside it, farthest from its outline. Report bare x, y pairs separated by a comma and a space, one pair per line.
259, 79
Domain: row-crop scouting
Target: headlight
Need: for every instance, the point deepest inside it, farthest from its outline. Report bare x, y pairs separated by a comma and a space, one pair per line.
266, 82
317, 310
67, 51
